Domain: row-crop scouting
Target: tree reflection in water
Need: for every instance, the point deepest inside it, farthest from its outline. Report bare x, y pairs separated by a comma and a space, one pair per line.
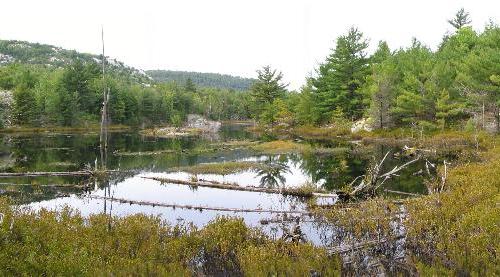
272, 174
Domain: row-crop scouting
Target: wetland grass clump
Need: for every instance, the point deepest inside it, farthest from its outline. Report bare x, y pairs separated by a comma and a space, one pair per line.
55, 243
313, 132
223, 168
281, 147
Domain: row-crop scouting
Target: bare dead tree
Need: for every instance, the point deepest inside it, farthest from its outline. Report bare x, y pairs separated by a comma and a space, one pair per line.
374, 179
103, 139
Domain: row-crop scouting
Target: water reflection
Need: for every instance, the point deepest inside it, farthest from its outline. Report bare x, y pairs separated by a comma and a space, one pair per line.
272, 173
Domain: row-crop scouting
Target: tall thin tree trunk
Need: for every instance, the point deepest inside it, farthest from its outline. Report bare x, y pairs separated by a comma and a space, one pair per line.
497, 118
381, 115
483, 115
103, 139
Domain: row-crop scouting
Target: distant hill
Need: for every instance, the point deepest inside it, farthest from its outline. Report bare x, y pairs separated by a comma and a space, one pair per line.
14, 51
202, 79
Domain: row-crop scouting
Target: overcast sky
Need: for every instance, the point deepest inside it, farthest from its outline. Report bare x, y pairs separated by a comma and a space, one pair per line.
231, 36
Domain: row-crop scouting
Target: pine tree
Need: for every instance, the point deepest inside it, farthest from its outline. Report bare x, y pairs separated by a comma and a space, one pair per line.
460, 20
67, 105
76, 79
265, 91
341, 76
269, 86
189, 86
379, 86
25, 108
447, 110
480, 70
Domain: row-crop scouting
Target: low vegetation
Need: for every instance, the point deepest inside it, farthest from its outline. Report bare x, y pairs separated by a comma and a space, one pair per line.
280, 147
458, 228
223, 168
65, 243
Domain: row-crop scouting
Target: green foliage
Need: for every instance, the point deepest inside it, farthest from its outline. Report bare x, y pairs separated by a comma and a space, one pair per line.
204, 80
412, 87
189, 86
458, 228
268, 87
65, 243
341, 76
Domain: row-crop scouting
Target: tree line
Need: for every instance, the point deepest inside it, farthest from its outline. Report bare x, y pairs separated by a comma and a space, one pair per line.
456, 85
213, 80
37, 95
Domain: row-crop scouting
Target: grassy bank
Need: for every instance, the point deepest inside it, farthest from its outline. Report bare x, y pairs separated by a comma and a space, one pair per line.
451, 232
459, 229
65, 243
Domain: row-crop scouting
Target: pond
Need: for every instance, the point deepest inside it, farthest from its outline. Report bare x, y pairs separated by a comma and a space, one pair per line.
141, 157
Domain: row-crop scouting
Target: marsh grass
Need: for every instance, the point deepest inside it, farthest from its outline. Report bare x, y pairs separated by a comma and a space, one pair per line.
281, 147
64, 243
321, 132
223, 168
458, 228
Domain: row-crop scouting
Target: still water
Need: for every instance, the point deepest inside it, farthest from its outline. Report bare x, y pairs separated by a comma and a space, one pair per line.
155, 157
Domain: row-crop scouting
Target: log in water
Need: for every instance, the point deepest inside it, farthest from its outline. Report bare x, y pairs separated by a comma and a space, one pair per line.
194, 207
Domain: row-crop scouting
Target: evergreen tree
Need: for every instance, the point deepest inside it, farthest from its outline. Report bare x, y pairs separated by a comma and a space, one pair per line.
481, 68
416, 91
447, 110
25, 108
265, 91
269, 86
379, 86
67, 106
77, 79
460, 20
341, 76
305, 110
189, 86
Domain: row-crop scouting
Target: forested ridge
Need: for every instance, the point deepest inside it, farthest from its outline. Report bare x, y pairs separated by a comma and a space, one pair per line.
213, 80
38, 95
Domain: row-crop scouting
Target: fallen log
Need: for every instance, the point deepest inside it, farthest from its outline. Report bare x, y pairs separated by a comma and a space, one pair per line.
44, 185
401, 192
212, 184
194, 207
84, 173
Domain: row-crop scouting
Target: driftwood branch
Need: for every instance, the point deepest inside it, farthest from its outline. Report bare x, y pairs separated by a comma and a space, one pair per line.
194, 207
47, 174
44, 185
81, 173
374, 179
218, 185
445, 175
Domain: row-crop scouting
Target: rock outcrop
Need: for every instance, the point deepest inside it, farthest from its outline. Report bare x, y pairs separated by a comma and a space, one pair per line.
199, 122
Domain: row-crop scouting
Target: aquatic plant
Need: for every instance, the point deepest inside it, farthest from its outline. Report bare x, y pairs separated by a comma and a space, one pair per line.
65, 243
